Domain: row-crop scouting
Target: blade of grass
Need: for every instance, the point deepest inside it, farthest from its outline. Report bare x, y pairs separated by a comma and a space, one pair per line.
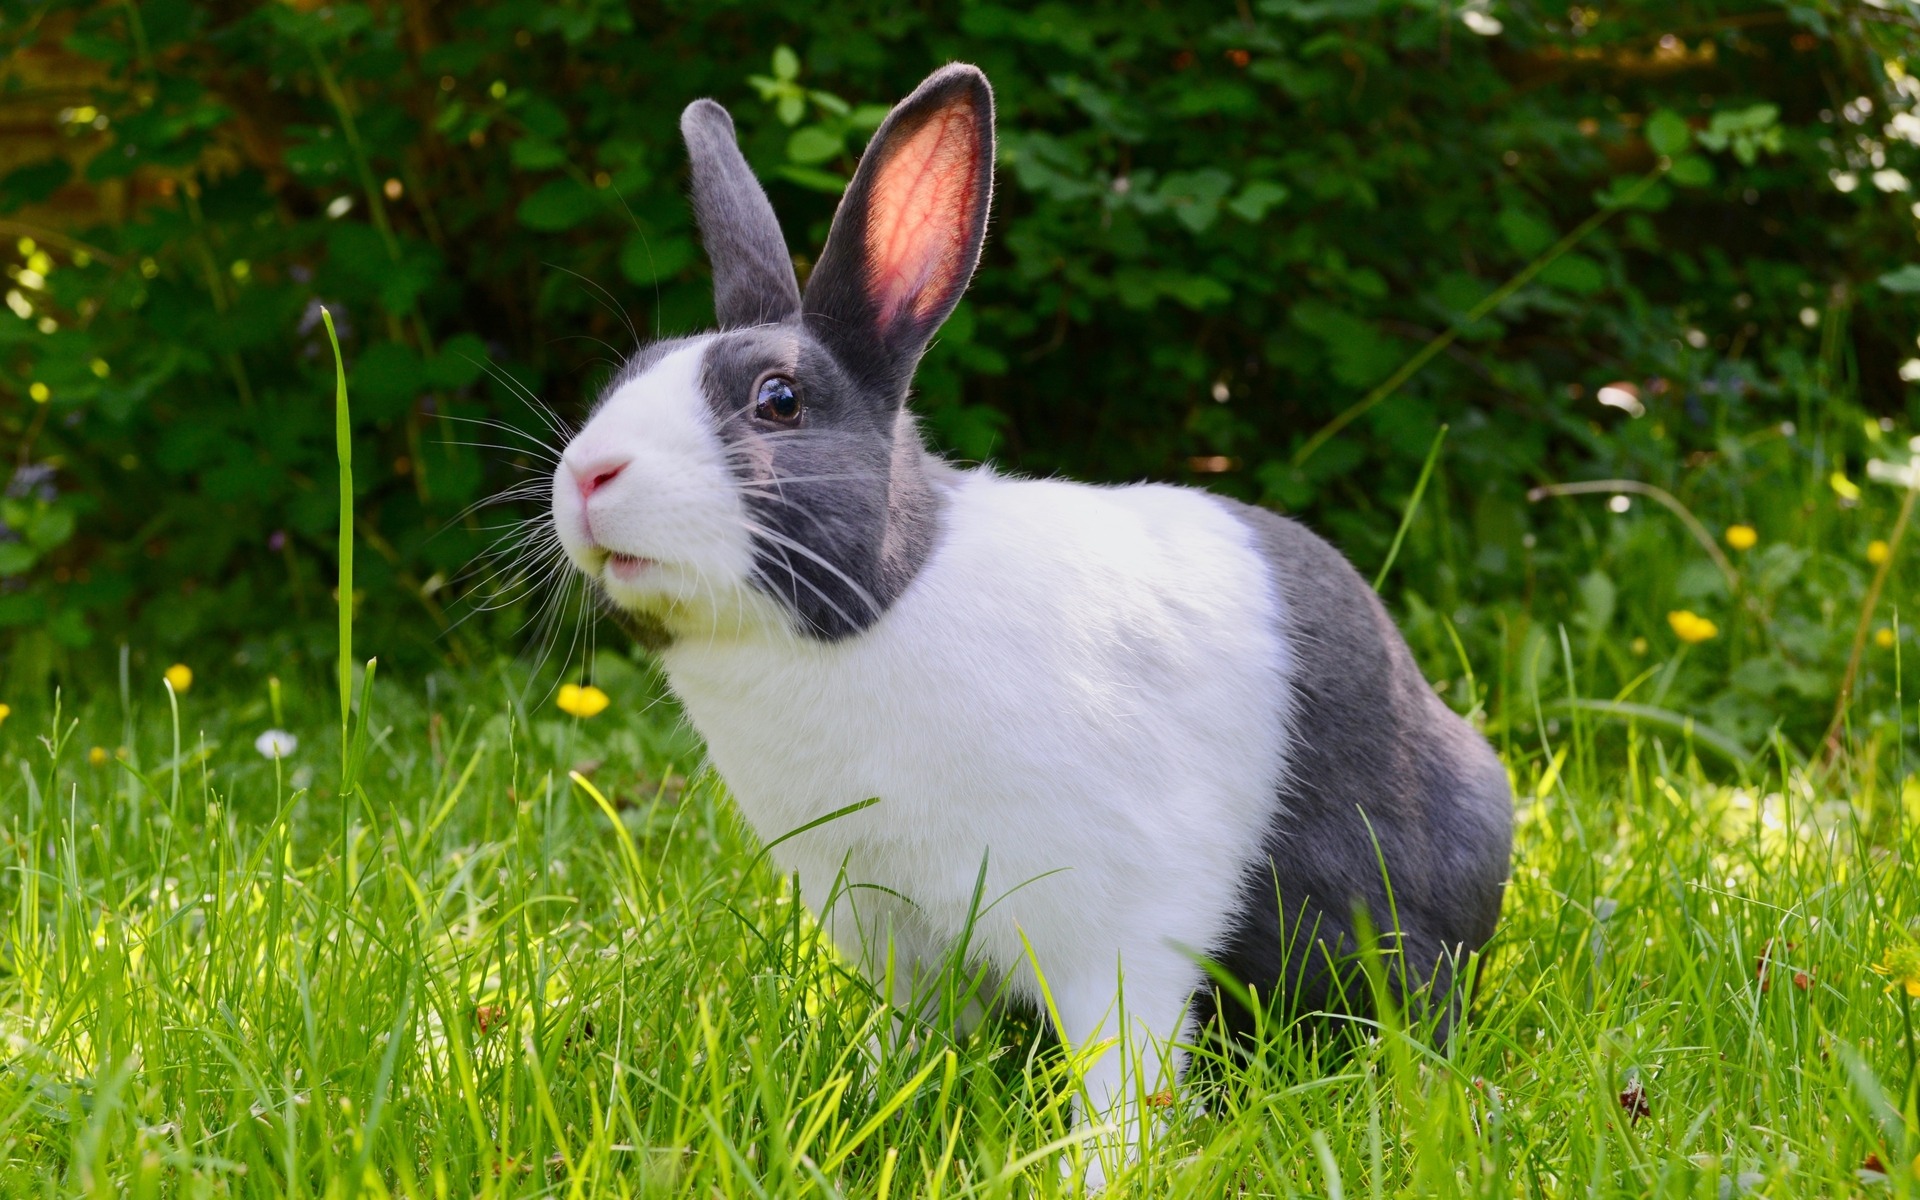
1413, 507
343, 449
1867, 607
1705, 735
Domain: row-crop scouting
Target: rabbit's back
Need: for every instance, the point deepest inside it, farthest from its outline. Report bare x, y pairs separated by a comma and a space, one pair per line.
1391, 801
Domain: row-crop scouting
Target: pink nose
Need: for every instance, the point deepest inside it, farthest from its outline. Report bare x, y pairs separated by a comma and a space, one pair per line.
595, 475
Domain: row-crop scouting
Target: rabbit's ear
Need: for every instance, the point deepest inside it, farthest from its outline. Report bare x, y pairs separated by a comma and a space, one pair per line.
753, 282
907, 236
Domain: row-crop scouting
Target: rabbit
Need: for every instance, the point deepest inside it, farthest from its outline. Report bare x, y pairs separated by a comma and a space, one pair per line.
1109, 733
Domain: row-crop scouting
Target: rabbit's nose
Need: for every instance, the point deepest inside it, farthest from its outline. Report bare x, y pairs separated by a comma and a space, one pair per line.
592, 476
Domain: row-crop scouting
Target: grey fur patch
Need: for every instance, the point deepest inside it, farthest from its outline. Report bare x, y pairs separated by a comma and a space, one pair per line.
1380, 773
753, 280
843, 512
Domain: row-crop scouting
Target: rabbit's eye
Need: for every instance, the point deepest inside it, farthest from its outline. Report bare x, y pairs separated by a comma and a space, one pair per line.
775, 401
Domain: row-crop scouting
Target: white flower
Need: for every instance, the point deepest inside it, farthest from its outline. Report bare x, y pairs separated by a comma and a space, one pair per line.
1910, 370
1623, 396
276, 743
1905, 126
1481, 22
1890, 180
1900, 475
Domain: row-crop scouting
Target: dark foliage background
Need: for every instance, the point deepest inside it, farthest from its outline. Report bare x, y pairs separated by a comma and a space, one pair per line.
1217, 227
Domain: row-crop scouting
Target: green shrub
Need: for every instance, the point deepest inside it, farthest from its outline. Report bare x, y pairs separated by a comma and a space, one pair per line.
1214, 233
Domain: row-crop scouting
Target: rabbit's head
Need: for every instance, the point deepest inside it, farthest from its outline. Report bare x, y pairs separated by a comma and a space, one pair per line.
768, 471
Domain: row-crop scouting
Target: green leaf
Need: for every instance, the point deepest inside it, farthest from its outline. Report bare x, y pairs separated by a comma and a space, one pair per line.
812, 178
1574, 273
1284, 485
385, 380
20, 608
33, 183
559, 204
1905, 280
645, 260
543, 119
1456, 294
49, 528
536, 154
69, 628
813, 144
830, 102
1361, 355
1667, 133
1747, 130
1598, 597
1194, 196
786, 64
1621, 193
404, 282
1197, 291
1256, 199
1526, 233
16, 557
1691, 170
458, 363
1308, 11
98, 46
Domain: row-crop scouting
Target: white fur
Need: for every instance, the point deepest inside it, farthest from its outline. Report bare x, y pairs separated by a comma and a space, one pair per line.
674, 502
1084, 687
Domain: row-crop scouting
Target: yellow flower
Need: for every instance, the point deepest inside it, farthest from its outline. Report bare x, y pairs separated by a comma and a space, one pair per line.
6, 710
1900, 963
1742, 537
1692, 627
1883, 637
97, 756
581, 702
1878, 552
180, 675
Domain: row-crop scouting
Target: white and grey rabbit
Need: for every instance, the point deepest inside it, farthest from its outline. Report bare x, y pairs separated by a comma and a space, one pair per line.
1171, 726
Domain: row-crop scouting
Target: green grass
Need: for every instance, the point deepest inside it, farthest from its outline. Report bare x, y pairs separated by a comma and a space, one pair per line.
468, 981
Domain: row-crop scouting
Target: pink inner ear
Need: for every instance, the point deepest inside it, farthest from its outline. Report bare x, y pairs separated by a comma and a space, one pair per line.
917, 224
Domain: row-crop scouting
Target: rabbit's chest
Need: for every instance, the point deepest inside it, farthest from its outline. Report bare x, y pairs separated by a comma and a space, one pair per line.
959, 758
1084, 690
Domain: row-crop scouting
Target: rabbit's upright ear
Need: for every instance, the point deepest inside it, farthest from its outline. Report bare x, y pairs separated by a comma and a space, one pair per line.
753, 282
907, 236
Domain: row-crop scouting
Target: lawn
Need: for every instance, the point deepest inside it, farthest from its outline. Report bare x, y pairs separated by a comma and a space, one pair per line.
539, 955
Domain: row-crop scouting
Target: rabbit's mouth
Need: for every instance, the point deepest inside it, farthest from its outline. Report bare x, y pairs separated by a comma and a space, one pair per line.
627, 567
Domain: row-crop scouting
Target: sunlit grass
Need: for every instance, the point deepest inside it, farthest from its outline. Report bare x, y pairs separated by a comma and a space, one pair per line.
470, 982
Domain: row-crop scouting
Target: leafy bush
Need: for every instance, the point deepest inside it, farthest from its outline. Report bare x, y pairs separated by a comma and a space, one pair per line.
1213, 236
